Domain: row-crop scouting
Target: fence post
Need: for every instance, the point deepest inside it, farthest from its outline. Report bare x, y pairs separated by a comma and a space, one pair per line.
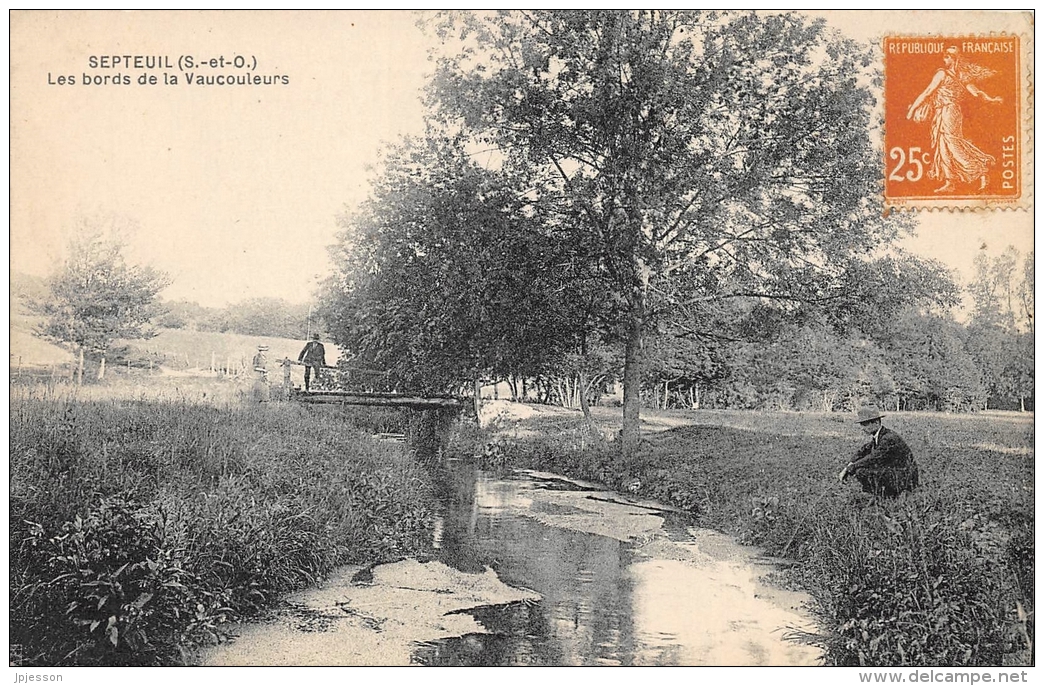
101, 369
287, 388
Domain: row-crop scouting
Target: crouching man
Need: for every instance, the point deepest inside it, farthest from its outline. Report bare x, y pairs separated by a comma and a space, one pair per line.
885, 466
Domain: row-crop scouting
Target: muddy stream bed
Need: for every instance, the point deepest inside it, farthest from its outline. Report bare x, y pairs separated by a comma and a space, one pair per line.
535, 569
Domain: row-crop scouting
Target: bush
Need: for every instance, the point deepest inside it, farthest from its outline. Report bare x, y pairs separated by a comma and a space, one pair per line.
905, 582
107, 589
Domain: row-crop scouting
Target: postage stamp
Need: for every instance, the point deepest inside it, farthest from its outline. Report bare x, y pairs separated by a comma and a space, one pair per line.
954, 118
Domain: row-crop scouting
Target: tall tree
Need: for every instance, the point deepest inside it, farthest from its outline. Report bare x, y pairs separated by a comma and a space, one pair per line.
446, 274
1001, 324
698, 156
932, 366
96, 297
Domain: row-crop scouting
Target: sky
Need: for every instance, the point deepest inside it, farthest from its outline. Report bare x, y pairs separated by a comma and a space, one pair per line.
235, 191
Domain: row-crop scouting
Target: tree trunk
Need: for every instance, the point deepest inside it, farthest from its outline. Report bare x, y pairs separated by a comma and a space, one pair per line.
477, 400
584, 407
1022, 404
630, 434
101, 369
79, 369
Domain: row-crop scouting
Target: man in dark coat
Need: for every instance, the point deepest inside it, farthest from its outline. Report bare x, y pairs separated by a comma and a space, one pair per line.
313, 356
885, 466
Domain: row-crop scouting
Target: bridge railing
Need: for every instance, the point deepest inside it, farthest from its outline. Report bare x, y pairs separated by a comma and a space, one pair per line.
338, 379
351, 388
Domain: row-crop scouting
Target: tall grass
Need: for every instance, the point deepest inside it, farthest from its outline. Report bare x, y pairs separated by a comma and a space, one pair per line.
943, 576
139, 527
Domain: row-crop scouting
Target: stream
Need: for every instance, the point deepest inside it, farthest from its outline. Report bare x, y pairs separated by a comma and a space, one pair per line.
532, 568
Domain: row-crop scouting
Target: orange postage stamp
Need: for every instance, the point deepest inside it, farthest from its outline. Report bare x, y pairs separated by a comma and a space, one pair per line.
953, 121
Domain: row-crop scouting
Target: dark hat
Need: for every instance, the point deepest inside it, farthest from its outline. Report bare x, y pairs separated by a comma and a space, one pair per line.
315, 337
868, 413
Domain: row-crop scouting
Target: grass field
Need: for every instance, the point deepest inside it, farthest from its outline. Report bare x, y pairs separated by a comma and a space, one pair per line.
943, 576
179, 348
170, 349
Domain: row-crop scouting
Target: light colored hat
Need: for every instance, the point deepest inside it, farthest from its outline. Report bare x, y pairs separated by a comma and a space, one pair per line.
868, 413
262, 347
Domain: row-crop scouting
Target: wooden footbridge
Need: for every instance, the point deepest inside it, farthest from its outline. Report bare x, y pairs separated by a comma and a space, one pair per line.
365, 397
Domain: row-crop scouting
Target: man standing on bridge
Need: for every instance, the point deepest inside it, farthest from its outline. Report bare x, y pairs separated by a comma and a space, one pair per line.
313, 356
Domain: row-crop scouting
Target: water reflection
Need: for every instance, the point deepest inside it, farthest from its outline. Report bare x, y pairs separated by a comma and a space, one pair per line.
585, 617
531, 571
621, 583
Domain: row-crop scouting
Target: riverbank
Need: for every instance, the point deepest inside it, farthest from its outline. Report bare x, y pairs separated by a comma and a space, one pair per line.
130, 505
143, 521
944, 576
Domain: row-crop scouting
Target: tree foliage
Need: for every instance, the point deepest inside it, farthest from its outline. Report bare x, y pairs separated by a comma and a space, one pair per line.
1000, 332
700, 156
447, 275
96, 297
696, 190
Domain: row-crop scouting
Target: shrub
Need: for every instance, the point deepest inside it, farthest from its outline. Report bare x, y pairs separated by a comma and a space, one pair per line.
906, 582
107, 589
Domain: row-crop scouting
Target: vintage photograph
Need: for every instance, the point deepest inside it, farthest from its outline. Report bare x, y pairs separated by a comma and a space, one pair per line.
522, 338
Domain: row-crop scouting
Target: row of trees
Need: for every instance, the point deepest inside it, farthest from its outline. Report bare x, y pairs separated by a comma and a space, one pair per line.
913, 360
910, 359
251, 317
645, 185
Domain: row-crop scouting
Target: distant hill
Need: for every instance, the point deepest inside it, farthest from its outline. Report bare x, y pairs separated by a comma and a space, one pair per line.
27, 287
184, 348
190, 335
252, 317
27, 349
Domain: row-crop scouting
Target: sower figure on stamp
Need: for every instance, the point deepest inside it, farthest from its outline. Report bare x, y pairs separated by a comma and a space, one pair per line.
955, 158
885, 466
313, 356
